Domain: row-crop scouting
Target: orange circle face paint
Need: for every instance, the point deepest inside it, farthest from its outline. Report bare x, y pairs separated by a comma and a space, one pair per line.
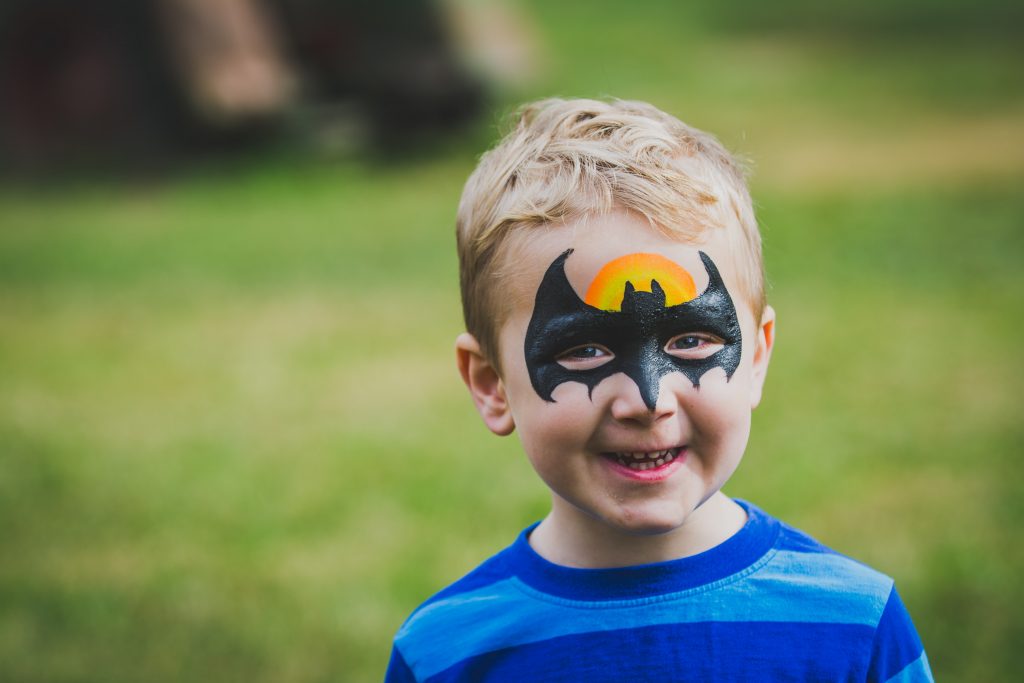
607, 290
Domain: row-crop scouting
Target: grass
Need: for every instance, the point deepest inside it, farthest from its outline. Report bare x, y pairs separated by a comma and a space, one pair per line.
234, 446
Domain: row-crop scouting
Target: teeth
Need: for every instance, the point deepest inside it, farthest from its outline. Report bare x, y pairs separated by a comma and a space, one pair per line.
650, 456
640, 460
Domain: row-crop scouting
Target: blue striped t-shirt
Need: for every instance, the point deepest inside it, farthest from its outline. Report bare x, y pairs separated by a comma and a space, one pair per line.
768, 604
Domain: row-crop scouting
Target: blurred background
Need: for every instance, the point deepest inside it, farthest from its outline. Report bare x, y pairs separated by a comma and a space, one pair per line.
233, 444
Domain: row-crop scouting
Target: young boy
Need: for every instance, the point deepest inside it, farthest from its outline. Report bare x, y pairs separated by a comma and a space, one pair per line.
613, 293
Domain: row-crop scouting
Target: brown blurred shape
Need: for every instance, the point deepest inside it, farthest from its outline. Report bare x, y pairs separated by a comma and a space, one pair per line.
227, 54
142, 80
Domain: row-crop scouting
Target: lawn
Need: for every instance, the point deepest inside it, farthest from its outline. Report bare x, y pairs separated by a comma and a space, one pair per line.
233, 445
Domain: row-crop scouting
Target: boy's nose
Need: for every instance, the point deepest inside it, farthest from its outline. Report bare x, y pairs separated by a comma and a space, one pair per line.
642, 401
648, 381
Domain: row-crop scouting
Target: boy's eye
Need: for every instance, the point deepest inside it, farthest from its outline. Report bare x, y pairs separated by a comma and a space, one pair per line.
688, 342
584, 357
694, 345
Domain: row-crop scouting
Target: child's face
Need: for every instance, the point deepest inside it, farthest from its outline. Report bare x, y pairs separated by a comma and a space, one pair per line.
632, 418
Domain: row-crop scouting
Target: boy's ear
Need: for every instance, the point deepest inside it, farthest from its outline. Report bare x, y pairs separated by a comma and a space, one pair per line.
763, 345
484, 384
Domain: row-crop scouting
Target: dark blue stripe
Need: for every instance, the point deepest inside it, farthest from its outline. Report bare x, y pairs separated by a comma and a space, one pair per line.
711, 651
398, 670
896, 643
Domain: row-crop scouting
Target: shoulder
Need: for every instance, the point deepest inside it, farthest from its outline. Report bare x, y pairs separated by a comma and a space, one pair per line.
438, 626
806, 574
818, 584
487, 579
487, 573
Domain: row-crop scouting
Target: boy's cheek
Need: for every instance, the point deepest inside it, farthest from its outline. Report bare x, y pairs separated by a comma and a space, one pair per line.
569, 395
571, 412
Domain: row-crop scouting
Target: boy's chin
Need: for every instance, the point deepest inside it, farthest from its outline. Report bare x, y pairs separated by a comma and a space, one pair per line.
649, 523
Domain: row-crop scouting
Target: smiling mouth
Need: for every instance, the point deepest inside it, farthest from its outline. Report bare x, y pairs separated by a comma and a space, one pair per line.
641, 461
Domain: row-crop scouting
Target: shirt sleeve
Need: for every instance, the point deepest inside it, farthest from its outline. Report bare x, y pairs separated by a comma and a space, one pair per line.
897, 655
398, 670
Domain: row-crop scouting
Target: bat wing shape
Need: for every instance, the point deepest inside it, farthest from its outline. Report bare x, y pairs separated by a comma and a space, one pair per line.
636, 335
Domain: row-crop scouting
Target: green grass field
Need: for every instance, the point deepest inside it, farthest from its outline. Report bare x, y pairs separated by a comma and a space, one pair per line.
234, 447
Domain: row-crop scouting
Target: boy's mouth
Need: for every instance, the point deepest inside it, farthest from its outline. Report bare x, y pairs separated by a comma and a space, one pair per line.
641, 461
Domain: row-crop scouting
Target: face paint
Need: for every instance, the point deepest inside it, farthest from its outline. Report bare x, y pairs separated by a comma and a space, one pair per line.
637, 333
608, 289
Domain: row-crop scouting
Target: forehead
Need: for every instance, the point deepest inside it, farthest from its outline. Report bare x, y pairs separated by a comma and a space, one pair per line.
597, 241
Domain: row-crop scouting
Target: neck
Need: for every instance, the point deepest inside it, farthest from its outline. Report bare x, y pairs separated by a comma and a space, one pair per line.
568, 538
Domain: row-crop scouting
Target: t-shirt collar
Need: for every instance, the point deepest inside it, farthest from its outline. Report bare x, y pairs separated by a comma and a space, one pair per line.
738, 552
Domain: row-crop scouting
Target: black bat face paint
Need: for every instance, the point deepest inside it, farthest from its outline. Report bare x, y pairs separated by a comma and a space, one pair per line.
636, 335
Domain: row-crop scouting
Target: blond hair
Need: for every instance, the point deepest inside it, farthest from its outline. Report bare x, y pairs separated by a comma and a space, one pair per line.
568, 159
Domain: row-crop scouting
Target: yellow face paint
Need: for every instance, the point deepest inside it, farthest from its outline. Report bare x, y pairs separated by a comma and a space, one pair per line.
608, 288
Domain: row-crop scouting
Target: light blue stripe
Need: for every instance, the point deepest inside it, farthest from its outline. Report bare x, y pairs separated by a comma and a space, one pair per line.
918, 671
790, 587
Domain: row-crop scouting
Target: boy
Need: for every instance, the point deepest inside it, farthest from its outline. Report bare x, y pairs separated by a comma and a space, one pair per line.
613, 293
